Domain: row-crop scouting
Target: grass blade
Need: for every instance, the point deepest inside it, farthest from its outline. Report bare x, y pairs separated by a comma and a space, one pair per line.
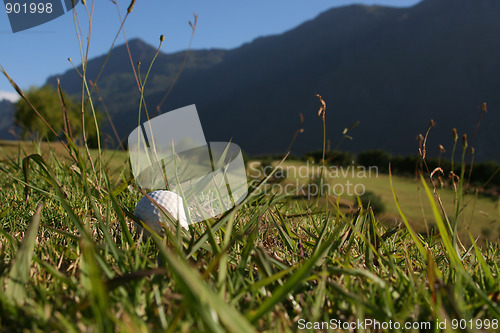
443, 230
292, 282
412, 232
20, 270
194, 285
93, 282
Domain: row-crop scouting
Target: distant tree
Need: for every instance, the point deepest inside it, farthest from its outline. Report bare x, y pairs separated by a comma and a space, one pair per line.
46, 101
340, 158
378, 158
370, 199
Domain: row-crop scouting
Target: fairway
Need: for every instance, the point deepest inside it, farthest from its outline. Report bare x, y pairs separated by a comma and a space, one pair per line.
114, 162
73, 258
479, 214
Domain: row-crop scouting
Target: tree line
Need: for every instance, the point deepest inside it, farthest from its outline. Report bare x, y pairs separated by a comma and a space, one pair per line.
480, 174
49, 105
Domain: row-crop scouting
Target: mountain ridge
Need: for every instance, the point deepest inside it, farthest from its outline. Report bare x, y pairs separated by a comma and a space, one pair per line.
6, 119
393, 69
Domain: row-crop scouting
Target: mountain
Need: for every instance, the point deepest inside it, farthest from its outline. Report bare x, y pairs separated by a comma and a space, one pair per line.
117, 86
6, 119
392, 69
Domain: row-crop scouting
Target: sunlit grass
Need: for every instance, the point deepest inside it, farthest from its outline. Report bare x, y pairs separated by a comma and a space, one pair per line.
479, 215
280, 263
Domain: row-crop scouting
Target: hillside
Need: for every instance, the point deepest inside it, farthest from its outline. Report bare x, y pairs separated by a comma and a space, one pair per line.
6, 119
393, 69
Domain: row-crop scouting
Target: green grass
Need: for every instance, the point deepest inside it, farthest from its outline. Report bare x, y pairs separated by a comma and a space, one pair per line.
115, 163
480, 215
267, 265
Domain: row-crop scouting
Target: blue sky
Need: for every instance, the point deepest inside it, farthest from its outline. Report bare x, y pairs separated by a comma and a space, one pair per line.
32, 55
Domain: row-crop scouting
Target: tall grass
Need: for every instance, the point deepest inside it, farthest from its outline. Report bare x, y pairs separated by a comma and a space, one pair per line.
73, 261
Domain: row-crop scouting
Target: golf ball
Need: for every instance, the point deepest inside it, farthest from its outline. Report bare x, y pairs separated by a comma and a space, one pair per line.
154, 218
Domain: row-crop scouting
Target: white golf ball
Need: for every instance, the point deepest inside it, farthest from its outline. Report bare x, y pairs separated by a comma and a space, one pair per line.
153, 217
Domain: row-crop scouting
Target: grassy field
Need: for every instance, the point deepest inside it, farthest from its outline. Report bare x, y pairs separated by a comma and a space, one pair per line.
115, 162
72, 261
479, 215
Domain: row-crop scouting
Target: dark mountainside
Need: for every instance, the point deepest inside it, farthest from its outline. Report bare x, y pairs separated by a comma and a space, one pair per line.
6, 119
391, 69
